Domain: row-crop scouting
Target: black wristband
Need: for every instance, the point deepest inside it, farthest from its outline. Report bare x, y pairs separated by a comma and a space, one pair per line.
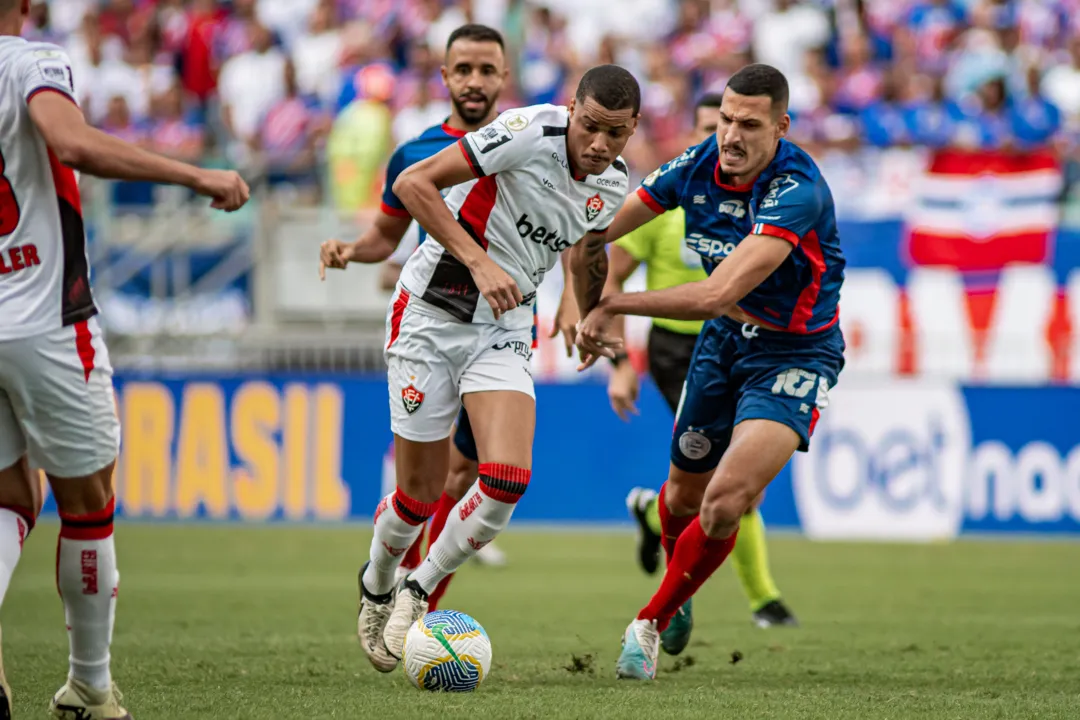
619, 359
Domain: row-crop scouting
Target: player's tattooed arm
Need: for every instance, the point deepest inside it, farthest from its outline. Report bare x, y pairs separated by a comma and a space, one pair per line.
756, 257
589, 265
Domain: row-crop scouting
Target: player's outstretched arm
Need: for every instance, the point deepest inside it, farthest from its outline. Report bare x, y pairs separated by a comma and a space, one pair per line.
418, 189
86, 149
633, 214
756, 257
375, 245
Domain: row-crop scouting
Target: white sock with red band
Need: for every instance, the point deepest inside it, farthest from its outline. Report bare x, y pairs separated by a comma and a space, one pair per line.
15, 525
88, 581
475, 521
399, 520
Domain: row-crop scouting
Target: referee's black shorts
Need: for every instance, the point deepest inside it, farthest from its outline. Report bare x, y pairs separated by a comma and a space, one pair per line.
669, 360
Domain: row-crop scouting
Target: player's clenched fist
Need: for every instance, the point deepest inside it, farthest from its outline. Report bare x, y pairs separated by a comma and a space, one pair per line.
500, 290
226, 187
333, 254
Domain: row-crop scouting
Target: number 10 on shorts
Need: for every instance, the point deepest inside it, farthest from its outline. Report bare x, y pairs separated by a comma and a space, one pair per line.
798, 384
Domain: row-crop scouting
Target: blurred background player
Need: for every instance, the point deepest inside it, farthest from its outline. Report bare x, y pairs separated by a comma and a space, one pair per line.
460, 327
474, 71
662, 247
57, 409
772, 348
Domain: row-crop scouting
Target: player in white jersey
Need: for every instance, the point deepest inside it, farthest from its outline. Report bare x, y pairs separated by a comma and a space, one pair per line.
459, 330
56, 401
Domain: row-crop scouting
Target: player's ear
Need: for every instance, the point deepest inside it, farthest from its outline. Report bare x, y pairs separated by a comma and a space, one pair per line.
783, 126
570, 107
634, 123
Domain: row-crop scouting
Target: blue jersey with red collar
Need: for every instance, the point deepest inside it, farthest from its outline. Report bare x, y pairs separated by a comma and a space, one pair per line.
789, 200
408, 153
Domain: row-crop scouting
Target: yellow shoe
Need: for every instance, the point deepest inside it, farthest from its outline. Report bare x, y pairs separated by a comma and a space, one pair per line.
78, 701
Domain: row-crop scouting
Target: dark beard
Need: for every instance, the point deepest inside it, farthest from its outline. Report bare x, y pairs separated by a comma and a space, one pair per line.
470, 116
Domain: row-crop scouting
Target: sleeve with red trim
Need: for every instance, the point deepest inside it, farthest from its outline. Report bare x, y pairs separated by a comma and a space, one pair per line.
46, 68
662, 189
790, 209
506, 144
390, 203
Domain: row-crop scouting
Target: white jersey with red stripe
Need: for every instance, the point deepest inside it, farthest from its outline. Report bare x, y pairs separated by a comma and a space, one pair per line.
524, 208
44, 270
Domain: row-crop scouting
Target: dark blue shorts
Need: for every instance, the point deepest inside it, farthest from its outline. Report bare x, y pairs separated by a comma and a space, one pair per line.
463, 437
745, 372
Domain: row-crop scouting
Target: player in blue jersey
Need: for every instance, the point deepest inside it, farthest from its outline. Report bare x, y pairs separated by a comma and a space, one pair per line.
761, 216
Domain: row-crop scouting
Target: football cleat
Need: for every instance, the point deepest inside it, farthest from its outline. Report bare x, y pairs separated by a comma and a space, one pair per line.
410, 604
640, 651
370, 622
676, 636
774, 614
79, 701
648, 544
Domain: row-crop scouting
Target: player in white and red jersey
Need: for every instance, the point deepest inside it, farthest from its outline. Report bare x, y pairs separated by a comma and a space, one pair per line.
459, 330
56, 401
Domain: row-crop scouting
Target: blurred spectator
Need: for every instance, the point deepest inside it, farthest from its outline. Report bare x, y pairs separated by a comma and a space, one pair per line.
931, 117
315, 54
1035, 120
287, 18
199, 70
38, 26
783, 36
251, 83
1061, 85
929, 31
175, 133
289, 137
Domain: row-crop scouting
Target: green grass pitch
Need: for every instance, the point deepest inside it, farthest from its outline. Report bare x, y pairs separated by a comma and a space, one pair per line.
258, 622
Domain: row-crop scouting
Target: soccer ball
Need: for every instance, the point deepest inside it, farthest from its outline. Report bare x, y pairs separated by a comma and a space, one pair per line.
447, 650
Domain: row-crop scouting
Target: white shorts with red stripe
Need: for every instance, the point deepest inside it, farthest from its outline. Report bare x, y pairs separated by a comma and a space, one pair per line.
434, 359
56, 401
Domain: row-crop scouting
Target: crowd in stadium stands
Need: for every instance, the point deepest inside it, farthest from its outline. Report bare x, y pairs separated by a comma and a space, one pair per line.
284, 88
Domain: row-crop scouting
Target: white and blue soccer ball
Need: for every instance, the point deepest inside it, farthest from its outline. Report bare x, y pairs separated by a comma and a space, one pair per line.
447, 651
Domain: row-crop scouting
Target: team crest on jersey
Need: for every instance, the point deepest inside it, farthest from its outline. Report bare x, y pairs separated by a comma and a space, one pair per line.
593, 207
412, 399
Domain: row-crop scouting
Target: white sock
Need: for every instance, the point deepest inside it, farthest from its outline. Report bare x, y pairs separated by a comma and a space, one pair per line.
399, 520
15, 525
475, 521
88, 581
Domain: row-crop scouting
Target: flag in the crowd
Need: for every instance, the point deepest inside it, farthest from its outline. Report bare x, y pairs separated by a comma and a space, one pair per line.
980, 211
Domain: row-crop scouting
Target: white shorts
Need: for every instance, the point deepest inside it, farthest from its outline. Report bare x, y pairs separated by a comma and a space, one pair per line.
56, 401
433, 359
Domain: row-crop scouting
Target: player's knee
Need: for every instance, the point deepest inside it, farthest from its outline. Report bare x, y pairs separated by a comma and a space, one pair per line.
85, 495
683, 497
723, 507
